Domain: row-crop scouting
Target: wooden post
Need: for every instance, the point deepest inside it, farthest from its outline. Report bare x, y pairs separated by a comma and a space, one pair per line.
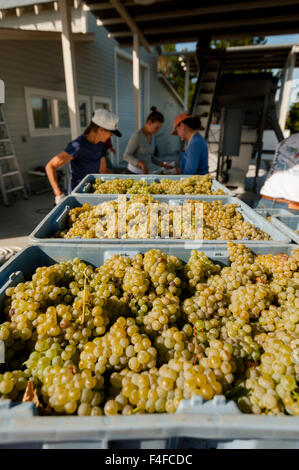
70, 67
186, 95
136, 81
286, 90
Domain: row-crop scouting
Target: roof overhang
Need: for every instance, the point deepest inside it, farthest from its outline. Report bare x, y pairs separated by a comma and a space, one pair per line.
173, 21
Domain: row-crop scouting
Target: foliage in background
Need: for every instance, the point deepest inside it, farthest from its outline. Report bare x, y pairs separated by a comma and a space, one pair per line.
176, 75
293, 118
239, 42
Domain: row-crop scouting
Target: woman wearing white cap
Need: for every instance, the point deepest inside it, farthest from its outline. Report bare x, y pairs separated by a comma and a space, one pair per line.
86, 154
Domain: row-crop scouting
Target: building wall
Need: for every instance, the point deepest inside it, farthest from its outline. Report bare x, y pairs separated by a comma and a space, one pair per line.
39, 64
36, 64
95, 63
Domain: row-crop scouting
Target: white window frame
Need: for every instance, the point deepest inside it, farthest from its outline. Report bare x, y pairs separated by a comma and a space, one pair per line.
44, 93
103, 100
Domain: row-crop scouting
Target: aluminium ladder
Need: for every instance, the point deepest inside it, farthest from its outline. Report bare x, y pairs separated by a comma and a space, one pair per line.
10, 175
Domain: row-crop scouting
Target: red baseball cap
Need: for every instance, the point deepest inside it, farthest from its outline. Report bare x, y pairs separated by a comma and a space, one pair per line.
180, 118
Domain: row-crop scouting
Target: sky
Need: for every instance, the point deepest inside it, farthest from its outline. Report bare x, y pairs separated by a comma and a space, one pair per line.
283, 39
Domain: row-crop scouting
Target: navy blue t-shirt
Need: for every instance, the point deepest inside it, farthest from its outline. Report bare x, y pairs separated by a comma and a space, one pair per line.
86, 158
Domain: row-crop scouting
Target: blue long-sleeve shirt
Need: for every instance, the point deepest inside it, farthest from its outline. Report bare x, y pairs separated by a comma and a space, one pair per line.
194, 161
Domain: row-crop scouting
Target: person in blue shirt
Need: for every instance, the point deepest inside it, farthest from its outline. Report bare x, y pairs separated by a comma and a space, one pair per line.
86, 154
194, 159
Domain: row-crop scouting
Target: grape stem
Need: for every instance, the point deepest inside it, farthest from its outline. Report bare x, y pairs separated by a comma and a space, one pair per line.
84, 296
198, 355
136, 409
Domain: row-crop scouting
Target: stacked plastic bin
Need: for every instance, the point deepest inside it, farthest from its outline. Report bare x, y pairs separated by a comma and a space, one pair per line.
284, 220
217, 423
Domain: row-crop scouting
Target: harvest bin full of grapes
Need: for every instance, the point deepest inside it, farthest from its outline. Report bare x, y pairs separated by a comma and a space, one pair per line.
125, 342
126, 219
151, 184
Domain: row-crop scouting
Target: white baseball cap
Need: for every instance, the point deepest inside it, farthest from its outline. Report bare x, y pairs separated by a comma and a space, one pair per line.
107, 120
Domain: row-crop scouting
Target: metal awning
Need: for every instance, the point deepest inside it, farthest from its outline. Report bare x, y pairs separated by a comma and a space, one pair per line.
173, 21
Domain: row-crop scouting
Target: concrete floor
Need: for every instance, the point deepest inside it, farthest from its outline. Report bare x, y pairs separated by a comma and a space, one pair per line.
19, 219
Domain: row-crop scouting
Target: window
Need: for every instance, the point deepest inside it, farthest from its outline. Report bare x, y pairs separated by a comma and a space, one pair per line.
42, 115
63, 113
48, 113
100, 102
83, 114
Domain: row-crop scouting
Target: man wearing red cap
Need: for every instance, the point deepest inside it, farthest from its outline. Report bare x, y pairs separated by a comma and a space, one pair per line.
194, 160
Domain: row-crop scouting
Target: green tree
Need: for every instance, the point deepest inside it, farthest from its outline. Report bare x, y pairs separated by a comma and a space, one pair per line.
176, 75
293, 118
239, 42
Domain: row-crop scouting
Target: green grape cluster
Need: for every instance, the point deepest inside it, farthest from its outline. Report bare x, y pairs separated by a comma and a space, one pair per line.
138, 335
206, 303
219, 358
161, 390
273, 385
199, 268
122, 346
196, 184
13, 384
48, 353
173, 343
17, 343
162, 270
67, 392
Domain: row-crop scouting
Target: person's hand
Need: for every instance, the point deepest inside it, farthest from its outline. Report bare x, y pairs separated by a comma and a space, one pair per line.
59, 199
167, 166
113, 150
178, 170
143, 167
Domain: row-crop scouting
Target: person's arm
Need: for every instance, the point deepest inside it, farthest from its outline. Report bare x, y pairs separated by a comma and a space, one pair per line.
196, 151
103, 166
129, 155
51, 169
